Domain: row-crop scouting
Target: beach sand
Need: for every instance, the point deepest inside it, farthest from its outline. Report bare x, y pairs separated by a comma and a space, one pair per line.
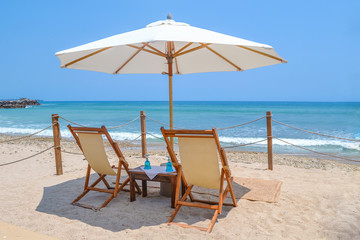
319, 199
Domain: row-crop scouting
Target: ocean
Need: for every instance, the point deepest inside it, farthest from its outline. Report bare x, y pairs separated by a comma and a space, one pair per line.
337, 119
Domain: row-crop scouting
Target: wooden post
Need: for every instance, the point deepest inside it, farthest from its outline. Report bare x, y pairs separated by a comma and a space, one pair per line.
269, 140
143, 133
57, 148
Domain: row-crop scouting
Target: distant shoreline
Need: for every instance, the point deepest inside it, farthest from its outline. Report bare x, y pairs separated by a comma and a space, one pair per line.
20, 103
200, 101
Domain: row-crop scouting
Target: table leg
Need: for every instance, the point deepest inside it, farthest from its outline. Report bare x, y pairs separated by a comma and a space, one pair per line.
173, 190
183, 188
132, 188
144, 188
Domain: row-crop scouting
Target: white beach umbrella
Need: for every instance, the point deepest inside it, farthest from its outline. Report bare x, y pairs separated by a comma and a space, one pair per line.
169, 47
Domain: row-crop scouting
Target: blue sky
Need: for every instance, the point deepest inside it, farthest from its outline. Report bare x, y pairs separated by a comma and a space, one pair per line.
320, 39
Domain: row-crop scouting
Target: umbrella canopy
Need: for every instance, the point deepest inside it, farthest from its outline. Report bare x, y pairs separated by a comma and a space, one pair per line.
146, 50
169, 47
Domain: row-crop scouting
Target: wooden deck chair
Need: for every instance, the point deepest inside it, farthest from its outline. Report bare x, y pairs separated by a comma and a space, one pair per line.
199, 154
90, 141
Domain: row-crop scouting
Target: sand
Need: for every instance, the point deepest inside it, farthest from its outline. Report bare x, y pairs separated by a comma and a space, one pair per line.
319, 199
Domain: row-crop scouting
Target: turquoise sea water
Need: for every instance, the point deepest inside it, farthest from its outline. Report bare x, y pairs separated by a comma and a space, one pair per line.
338, 119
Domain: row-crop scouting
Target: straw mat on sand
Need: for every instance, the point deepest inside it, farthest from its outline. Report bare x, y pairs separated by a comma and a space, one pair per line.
257, 189
254, 189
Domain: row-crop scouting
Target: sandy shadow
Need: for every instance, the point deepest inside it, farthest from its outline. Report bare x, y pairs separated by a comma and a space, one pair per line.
121, 214
202, 217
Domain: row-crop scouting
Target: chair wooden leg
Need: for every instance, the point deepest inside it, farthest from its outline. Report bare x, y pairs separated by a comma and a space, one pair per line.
229, 181
188, 190
224, 196
177, 188
86, 190
213, 220
106, 202
185, 183
136, 185
80, 196
123, 184
221, 190
212, 202
106, 183
174, 213
87, 177
217, 207
118, 174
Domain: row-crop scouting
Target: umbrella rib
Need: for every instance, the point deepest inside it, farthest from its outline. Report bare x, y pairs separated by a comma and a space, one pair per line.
265, 54
146, 50
155, 49
184, 47
127, 61
89, 55
191, 50
224, 58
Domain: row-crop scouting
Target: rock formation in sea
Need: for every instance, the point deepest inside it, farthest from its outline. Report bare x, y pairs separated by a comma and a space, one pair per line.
20, 103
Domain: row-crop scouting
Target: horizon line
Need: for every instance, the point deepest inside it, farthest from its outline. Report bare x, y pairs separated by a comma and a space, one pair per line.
292, 101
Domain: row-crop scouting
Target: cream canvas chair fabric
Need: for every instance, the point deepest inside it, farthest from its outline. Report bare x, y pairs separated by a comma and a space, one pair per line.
90, 141
94, 151
200, 152
199, 161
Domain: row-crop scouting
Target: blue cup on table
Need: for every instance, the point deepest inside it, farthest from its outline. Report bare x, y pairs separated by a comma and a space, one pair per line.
147, 162
169, 167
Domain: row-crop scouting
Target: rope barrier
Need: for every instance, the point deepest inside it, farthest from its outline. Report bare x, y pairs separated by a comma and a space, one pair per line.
133, 139
71, 152
125, 123
160, 122
162, 139
4, 164
15, 139
329, 155
241, 124
72, 122
107, 127
324, 135
246, 144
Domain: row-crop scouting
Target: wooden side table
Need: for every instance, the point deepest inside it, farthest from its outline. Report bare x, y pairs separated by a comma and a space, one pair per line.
138, 174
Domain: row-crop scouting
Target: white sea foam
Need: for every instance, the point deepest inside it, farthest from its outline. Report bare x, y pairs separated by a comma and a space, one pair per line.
120, 136
295, 141
26, 131
128, 136
124, 136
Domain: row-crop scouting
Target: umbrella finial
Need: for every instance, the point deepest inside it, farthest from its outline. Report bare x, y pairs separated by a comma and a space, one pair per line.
169, 16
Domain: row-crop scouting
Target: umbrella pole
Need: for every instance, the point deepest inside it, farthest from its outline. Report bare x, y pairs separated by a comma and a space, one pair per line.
170, 58
171, 99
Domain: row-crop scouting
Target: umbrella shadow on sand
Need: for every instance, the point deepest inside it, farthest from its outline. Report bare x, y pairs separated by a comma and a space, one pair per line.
121, 214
